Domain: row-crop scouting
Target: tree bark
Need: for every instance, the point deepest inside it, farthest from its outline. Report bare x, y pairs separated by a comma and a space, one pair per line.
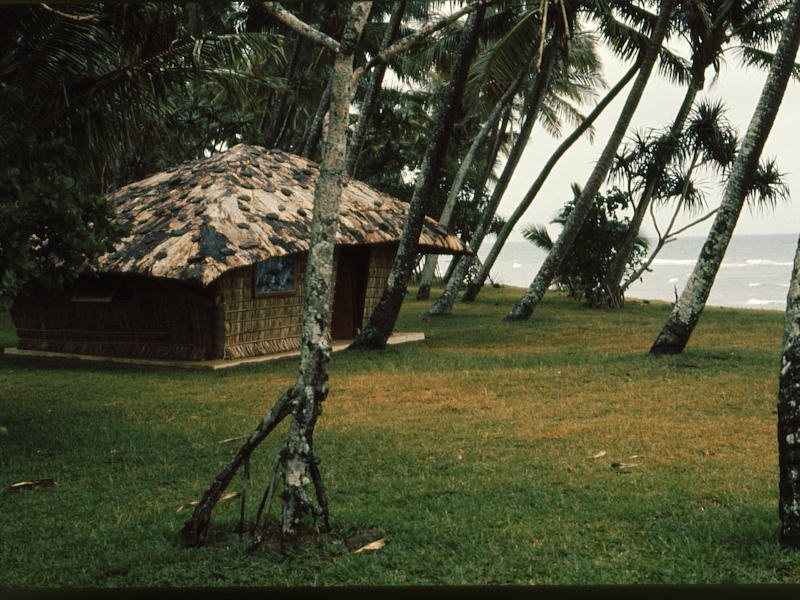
381, 323
475, 286
300, 462
530, 300
444, 304
686, 313
789, 415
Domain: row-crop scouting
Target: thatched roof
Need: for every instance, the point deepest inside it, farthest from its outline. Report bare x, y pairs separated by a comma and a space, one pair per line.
239, 207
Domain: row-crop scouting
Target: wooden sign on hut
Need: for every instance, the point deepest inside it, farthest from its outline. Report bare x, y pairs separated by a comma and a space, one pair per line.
215, 265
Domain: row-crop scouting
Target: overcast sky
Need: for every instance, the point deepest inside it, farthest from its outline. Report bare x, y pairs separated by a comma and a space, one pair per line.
739, 89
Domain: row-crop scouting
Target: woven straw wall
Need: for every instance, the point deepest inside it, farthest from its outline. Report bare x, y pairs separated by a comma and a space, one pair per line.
166, 319
262, 324
380, 264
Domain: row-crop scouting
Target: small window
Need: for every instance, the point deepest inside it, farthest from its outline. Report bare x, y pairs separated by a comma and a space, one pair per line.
103, 290
275, 275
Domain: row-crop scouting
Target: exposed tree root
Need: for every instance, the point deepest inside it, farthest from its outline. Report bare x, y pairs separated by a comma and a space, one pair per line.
195, 530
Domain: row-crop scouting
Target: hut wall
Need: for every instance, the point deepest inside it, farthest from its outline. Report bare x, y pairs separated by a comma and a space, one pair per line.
380, 265
261, 324
165, 319
266, 324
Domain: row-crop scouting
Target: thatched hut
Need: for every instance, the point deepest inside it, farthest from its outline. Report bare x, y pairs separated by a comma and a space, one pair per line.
215, 265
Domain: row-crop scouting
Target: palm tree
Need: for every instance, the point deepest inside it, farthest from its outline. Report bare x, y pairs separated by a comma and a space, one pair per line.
687, 310
476, 284
525, 306
98, 94
374, 87
555, 69
381, 323
709, 28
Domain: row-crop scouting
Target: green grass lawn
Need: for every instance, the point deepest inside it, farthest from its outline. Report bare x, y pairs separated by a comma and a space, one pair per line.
483, 455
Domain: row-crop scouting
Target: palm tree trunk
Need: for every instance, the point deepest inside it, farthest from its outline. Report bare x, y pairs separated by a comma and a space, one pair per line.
475, 286
277, 120
381, 323
789, 415
444, 304
309, 146
426, 279
371, 100
526, 305
616, 270
687, 310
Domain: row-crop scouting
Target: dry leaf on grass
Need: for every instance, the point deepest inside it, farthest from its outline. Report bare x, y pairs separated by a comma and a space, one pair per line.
225, 441
600, 454
376, 545
196, 502
33, 484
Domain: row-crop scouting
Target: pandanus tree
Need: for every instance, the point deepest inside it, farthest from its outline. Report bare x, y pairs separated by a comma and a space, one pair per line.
708, 143
686, 313
709, 29
297, 463
526, 305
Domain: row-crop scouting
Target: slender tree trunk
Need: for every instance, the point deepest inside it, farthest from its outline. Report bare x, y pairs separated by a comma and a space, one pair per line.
298, 459
447, 212
475, 286
309, 147
687, 310
381, 323
616, 270
277, 120
789, 415
444, 304
375, 83
526, 305
300, 462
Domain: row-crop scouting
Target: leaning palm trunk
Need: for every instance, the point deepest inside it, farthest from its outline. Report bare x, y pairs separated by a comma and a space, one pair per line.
371, 99
547, 272
475, 286
687, 310
381, 322
611, 295
300, 464
426, 279
444, 304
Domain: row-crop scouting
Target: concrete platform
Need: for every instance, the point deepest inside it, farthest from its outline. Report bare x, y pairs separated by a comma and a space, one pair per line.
208, 365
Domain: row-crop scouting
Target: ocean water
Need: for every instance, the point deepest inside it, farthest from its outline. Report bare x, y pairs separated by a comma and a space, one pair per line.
755, 273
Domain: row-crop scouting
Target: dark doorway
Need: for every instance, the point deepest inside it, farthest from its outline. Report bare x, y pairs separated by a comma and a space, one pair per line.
349, 292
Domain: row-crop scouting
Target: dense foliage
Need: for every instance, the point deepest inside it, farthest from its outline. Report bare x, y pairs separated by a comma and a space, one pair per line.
601, 235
